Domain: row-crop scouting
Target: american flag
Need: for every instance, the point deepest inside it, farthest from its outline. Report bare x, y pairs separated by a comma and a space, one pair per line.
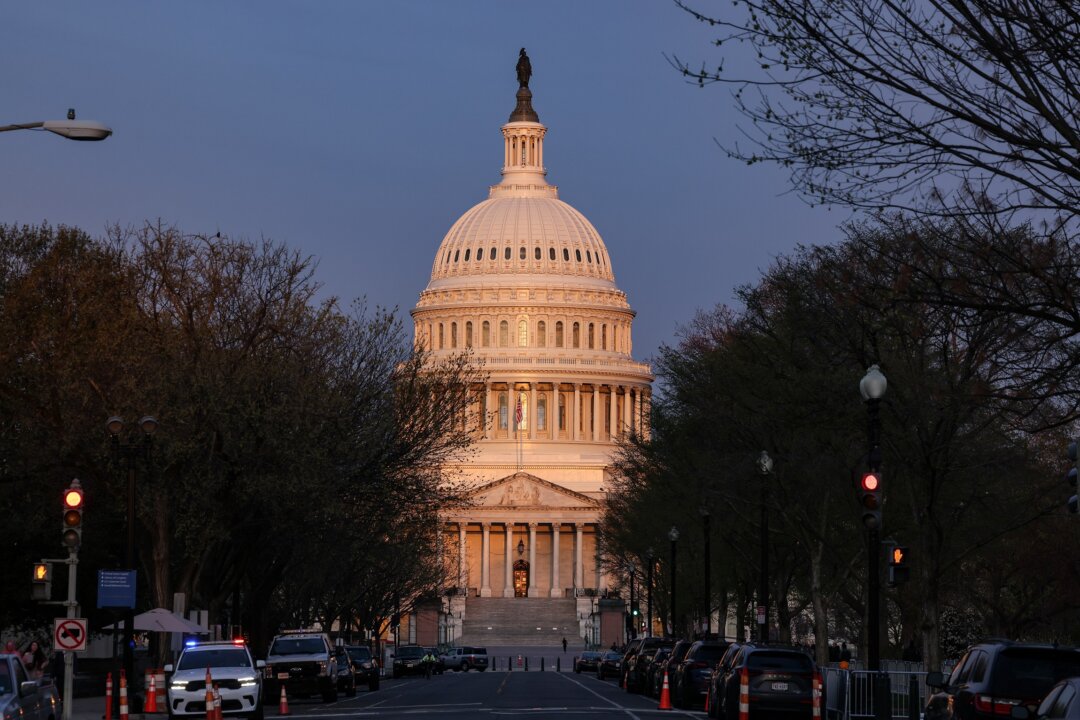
517, 413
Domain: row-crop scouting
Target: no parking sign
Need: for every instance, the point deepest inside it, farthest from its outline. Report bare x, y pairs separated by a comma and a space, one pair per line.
69, 634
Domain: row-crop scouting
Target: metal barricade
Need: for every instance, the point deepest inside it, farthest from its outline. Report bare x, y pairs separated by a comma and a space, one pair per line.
850, 694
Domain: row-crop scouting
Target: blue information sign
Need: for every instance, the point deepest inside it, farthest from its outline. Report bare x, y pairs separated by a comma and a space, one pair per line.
116, 589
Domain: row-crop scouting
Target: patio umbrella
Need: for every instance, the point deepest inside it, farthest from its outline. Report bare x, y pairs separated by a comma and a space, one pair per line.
161, 620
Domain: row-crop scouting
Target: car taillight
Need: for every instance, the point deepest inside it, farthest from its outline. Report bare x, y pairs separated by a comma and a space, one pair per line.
995, 706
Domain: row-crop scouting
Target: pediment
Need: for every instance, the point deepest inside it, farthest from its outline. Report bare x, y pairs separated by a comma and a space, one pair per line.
522, 490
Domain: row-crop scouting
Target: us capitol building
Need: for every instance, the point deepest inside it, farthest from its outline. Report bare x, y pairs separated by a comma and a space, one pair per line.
525, 282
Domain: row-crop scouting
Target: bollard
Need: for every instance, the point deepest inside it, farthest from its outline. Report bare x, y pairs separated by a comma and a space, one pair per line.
558, 664
541, 663
914, 700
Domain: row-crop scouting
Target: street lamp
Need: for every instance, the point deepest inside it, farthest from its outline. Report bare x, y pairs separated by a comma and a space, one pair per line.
71, 128
765, 465
650, 556
130, 452
872, 388
633, 617
708, 584
673, 536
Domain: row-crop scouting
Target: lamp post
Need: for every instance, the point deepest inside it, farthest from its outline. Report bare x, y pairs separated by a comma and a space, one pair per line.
765, 465
129, 452
633, 618
651, 557
872, 388
708, 569
673, 536
71, 128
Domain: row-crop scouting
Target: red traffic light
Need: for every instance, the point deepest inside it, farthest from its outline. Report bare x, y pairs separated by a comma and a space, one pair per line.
870, 482
73, 498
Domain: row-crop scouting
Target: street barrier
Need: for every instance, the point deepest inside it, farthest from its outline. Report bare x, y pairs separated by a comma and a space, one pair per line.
850, 694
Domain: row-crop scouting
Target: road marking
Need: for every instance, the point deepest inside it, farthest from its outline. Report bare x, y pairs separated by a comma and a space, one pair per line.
623, 708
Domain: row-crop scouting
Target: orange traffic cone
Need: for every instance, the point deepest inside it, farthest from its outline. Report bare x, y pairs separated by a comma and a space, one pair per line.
209, 696
123, 697
744, 694
217, 702
665, 695
707, 694
151, 695
283, 706
108, 696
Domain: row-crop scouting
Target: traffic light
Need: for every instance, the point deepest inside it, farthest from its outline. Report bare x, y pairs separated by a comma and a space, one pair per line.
898, 565
41, 583
73, 510
870, 499
1070, 477
635, 611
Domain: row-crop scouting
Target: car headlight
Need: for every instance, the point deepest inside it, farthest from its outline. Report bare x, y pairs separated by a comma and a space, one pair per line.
177, 685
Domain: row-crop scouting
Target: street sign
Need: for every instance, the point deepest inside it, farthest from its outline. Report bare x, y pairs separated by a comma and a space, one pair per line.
760, 614
69, 634
116, 589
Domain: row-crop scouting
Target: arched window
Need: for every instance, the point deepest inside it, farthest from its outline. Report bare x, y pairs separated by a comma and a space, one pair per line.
615, 338
479, 254
566, 254
467, 251
523, 403
577, 335
468, 334
541, 334
536, 254
453, 334
506, 255
588, 256
541, 412
504, 333
562, 410
430, 338
577, 254
603, 337
521, 253
442, 337
591, 345
551, 253
485, 334
504, 411
523, 333
456, 253
558, 334
494, 255
447, 256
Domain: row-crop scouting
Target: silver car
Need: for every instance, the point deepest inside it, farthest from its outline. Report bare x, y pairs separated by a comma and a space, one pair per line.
237, 676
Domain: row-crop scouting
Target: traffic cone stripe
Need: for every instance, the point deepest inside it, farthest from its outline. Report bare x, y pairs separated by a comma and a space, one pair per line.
665, 695
209, 701
283, 706
816, 713
123, 697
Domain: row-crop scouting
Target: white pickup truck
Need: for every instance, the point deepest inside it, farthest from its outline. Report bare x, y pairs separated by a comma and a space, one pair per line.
465, 658
23, 698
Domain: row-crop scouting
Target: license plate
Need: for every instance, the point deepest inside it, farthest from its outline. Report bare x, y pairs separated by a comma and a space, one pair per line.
283, 676
779, 686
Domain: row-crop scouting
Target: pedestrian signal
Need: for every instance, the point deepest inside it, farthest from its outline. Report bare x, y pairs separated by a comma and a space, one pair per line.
870, 499
41, 582
898, 565
73, 512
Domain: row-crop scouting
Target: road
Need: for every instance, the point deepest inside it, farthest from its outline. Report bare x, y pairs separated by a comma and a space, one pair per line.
489, 694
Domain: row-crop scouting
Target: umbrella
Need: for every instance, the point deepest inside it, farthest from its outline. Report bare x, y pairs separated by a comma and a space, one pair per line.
161, 620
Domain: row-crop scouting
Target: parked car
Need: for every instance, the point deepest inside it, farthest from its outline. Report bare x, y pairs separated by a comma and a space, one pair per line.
304, 662
994, 676
23, 698
587, 660
779, 682
364, 665
629, 652
609, 665
693, 673
466, 658
238, 676
654, 672
408, 660
634, 668
1061, 703
346, 676
678, 652
716, 682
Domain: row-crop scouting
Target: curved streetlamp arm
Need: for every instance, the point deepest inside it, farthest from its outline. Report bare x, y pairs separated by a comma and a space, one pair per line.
71, 129
22, 126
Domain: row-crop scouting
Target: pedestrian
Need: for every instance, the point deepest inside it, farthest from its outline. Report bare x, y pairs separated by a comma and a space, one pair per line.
834, 652
35, 660
911, 652
564, 644
429, 664
845, 653
10, 649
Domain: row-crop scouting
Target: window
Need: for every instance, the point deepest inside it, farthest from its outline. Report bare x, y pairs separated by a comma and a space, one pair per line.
523, 404
504, 412
537, 254
566, 255
504, 333
577, 335
506, 255
558, 334
577, 253
442, 336
551, 253
541, 334
591, 336
493, 255
467, 251
447, 256
468, 334
541, 412
603, 337
485, 334
588, 256
562, 410
521, 253
456, 253
453, 334
479, 254
523, 333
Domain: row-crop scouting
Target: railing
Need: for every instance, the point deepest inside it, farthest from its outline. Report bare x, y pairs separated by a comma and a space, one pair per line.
592, 364
850, 694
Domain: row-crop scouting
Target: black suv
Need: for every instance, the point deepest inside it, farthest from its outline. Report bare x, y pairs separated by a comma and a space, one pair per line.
996, 675
692, 675
304, 662
779, 682
635, 665
365, 666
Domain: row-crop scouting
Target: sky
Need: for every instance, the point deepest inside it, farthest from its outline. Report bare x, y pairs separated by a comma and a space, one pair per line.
358, 132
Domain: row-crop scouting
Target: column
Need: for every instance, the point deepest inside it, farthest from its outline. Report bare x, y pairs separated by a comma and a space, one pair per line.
625, 410
637, 410
613, 413
508, 589
596, 558
579, 569
556, 585
463, 580
489, 418
645, 410
485, 564
596, 419
532, 559
576, 420
532, 411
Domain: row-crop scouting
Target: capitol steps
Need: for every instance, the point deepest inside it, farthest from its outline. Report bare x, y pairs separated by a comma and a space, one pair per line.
540, 622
